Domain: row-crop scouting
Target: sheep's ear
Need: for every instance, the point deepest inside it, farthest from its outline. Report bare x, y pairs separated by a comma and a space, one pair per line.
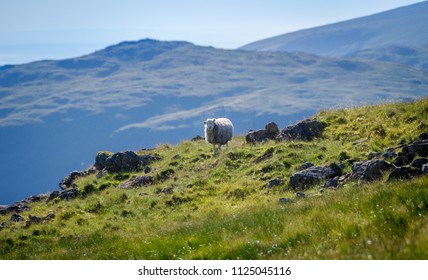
213, 120
205, 122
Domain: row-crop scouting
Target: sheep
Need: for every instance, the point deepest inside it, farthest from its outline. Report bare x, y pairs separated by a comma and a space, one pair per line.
218, 132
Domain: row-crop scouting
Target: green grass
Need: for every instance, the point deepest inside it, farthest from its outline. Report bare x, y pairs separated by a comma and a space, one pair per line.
220, 208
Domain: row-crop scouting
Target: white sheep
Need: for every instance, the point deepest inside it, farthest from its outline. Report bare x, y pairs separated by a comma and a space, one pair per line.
218, 132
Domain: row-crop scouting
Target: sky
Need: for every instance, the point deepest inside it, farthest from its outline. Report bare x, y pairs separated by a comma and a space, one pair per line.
55, 29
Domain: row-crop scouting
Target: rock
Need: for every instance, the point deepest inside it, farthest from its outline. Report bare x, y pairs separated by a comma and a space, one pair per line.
389, 154
49, 217
3, 209
284, 200
100, 159
305, 130
370, 170
404, 173
419, 148
313, 175
3, 225
423, 136
18, 207
168, 190
274, 182
419, 162
101, 174
68, 181
137, 182
197, 138
300, 194
425, 168
402, 160
16, 218
147, 169
270, 132
127, 161
33, 220
305, 165
52, 196
68, 194
123, 162
332, 183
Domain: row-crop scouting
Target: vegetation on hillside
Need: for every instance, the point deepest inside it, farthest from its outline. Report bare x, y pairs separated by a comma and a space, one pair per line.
201, 206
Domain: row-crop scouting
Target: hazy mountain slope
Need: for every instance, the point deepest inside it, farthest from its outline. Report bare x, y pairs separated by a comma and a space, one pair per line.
404, 26
72, 108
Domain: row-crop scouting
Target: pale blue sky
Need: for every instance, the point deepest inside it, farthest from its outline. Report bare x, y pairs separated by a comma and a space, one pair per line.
53, 29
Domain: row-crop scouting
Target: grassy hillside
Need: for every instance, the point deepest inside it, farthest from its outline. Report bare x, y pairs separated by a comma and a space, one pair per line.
219, 206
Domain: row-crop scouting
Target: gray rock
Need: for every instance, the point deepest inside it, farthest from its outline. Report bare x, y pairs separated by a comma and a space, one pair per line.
417, 148
16, 218
305, 165
284, 200
3, 209
404, 173
423, 136
168, 190
305, 130
68, 194
389, 154
274, 183
419, 162
100, 159
18, 207
300, 194
68, 181
313, 175
270, 132
370, 170
425, 168
33, 220
3, 225
52, 196
332, 183
49, 217
127, 161
403, 160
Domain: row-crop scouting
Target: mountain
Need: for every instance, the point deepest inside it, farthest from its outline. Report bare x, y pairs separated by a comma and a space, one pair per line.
55, 114
184, 202
405, 26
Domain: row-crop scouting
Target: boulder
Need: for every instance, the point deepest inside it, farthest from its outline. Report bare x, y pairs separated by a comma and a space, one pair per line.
49, 217
423, 136
284, 200
425, 168
274, 183
270, 132
18, 207
100, 159
33, 220
16, 218
313, 175
3, 209
417, 148
419, 162
68, 181
370, 170
404, 173
68, 194
305, 130
127, 161
305, 165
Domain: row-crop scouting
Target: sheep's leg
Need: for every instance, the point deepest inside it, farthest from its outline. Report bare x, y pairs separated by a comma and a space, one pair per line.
227, 146
214, 148
219, 148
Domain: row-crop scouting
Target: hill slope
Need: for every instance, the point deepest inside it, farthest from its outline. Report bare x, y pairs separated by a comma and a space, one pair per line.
200, 206
399, 27
72, 108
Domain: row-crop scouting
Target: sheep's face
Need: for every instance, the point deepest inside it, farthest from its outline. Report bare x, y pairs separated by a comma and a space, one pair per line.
209, 124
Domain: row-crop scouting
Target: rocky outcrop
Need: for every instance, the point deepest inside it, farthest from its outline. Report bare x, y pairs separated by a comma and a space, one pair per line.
100, 159
370, 170
127, 161
270, 132
311, 176
404, 173
305, 130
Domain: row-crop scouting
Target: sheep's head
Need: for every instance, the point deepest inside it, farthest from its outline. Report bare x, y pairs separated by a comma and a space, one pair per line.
209, 124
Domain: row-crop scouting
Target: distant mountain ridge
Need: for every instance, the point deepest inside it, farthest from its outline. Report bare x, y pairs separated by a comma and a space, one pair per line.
405, 26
